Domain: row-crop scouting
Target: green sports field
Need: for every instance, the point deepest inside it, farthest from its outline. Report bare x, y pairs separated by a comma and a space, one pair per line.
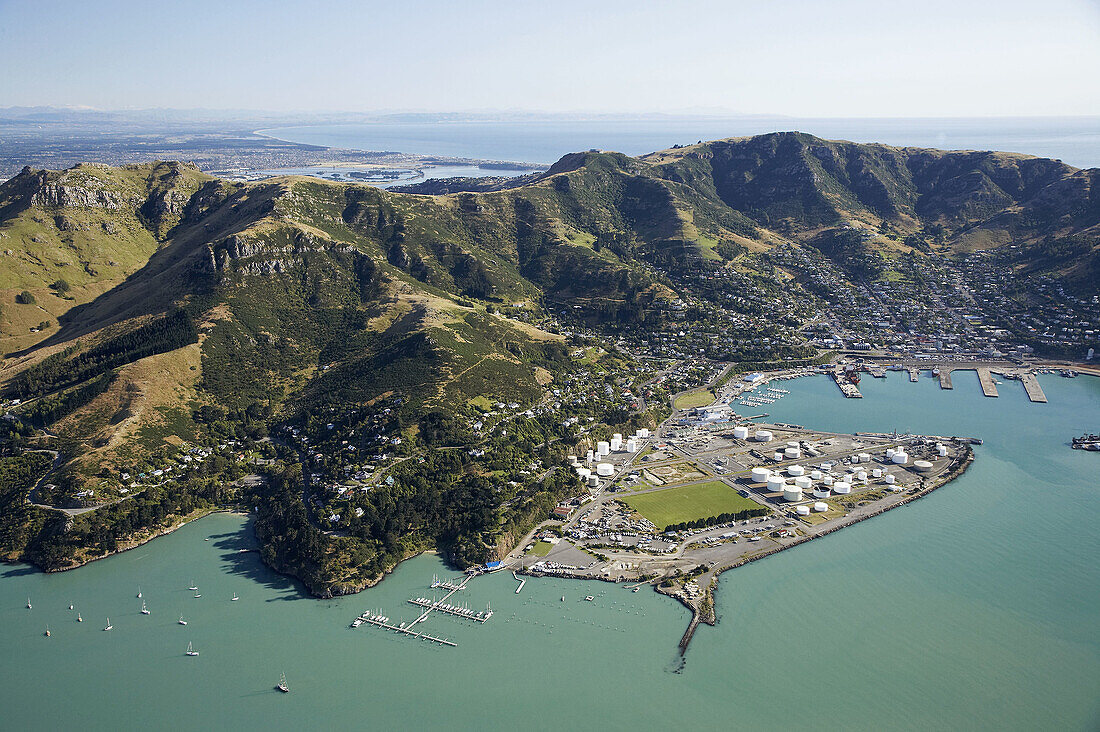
689, 502
698, 398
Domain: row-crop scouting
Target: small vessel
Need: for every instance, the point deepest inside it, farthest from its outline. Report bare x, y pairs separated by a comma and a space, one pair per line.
207, 539
191, 651
182, 621
193, 586
109, 626
47, 630
589, 598
70, 606
234, 598
139, 590
144, 610
281, 686
79, 619
635, 589
563, 598
28, 603
198, 594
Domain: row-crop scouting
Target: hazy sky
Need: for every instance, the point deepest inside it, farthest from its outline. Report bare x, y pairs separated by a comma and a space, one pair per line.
806, 58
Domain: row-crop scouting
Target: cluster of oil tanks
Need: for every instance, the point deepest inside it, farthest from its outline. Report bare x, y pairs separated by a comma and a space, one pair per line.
604, 448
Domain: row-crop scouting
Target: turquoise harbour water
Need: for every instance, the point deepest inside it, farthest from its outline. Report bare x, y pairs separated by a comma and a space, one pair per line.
974, 608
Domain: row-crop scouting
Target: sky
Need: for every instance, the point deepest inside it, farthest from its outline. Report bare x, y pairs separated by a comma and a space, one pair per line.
828, 58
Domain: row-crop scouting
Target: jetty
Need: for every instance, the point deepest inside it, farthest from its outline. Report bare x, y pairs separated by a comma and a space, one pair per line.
945, 379
479, 616
986, 379
522, 581
1031, 386
382, 621
446, 584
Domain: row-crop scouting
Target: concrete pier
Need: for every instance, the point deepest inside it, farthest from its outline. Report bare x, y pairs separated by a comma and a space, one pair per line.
988, 387
1034, 391
945, 379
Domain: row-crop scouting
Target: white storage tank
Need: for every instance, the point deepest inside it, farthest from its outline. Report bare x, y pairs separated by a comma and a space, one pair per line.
776, 484
822, 493
572, 459
876, 473
827, 480
900, 458
777, 455
941, 450
761, 475
593, 482
888, 479
617, 436
763, 436
796, 470
605, 469
632, 445
922, 466
816, 474
741, 432
890, 453
841, 488
643, 432
821, 506
792, 493
865, 457
855, 458
792, 452
602, 448
802, 510
583, 473
803, 482
589, 457
862, 475
616, 444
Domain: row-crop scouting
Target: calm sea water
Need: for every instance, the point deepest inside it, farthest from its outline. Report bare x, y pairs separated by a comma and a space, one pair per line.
973, 608
1075, 140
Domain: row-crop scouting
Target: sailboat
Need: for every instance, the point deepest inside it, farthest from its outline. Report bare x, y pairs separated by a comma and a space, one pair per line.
182, 621
198, 594
70, 606
144, 610
28, 603
79, 619
47, 630
191, 651
281, 686
234, 598
139, 590
193, 586
109, 626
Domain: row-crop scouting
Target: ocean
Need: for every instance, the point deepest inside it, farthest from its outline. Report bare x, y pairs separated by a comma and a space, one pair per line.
1074, 140
975, 607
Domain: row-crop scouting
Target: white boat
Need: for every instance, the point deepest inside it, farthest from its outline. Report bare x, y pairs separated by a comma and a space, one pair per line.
281, 686
109, 626
182, 621
234, 598
139, 590
590, 598
79, 619
47, 630
28, 603
193, 586
70, 606
144, 610
198, 594
191, 651
563, 598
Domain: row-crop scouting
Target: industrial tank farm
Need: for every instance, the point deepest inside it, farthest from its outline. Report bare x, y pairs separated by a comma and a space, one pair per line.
705, 494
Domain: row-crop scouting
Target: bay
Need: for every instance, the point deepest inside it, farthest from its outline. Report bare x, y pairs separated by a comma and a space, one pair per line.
974, 607
1074, 140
